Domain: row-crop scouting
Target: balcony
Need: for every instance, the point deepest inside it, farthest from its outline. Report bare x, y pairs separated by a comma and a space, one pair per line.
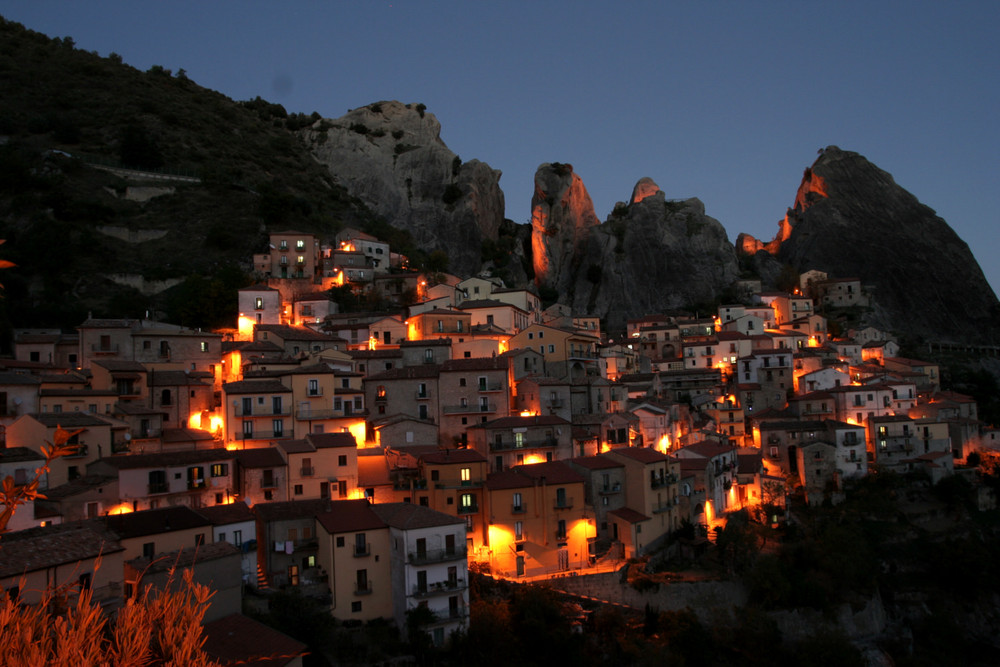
468, 509
307, 471
195, 484
364, 588
438, 588
554, 403
610, 488
104, 349
524, 444
437, 555
315, 392
263, 411
159, 487
422, 395
491, 386
471, 408
518, 509
362, 550
263, 435
563, 503
271, 483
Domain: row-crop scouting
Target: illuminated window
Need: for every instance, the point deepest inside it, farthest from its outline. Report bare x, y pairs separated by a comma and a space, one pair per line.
258, 303
300, 245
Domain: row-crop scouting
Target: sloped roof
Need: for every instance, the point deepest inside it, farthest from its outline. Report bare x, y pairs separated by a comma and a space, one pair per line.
408, 516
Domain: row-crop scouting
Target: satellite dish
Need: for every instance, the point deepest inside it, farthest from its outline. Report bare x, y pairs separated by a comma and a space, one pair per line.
17, 401
128, 437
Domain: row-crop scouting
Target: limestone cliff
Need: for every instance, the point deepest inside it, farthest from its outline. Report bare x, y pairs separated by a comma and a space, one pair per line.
851, 219
390, 156
651, 255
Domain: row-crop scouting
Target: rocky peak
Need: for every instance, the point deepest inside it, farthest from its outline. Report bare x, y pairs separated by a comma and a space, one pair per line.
562, 216
390, 156
851, 219
646, 187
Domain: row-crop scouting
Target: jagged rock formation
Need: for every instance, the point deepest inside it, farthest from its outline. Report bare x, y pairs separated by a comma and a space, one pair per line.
650, 255
391, 157
851, 219
562, 216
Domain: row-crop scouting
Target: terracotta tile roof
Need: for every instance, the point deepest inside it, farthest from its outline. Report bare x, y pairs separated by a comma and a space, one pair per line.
264, 457
164, 459
407, 516
345, 516
221, 515
628, 514
453, 456
41, 548
518, 421
331, 440
68, 419
596, 462
152, 522
641, 454
255, 387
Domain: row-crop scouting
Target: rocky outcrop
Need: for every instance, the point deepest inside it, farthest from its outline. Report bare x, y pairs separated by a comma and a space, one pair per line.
851, 219
390, 156
651, 255
562, 216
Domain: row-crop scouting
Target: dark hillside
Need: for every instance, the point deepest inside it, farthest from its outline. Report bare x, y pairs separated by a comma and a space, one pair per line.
74, 230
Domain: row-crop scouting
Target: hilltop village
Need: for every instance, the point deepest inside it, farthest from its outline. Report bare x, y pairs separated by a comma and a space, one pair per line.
373, 459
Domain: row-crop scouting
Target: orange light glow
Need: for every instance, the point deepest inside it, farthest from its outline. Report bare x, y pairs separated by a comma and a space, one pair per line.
244, 327
123, 508
372, 342
357, 429
347, 246
411, 332
503, 345
663, 444
500, 538
709, 512
528, 413
338, 279
534, 458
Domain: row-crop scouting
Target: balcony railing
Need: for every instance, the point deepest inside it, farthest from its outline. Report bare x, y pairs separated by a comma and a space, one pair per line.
362, 550
437, 555
518, 509
563, 503
610, 488
307, 471
364, 588
263, 435
264, 411
423, 395
104, 349
476, 407
195, 484
438, 587
468, 509
315, 392
271, 483
524, 444
491, 386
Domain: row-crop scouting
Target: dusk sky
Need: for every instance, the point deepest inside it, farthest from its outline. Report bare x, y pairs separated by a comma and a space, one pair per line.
725, 101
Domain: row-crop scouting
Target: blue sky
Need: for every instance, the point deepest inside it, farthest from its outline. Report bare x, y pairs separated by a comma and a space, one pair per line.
722, 100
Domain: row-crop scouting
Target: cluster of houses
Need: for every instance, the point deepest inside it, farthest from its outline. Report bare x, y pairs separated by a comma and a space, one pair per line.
369, 459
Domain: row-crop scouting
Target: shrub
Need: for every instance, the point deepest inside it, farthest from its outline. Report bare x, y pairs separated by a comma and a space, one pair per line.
421, 108
360, 128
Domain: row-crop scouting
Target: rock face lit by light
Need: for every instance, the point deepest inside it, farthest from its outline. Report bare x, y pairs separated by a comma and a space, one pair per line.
562, 215
812, 188
646, 187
